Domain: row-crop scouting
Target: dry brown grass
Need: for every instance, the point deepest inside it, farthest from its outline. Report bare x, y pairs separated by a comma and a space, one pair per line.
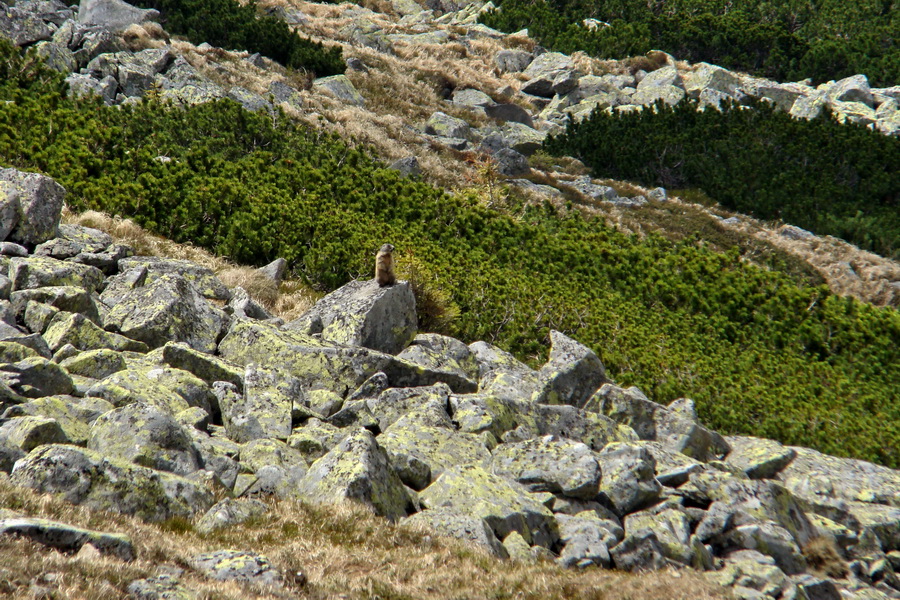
289, 300
344, 551
824, 558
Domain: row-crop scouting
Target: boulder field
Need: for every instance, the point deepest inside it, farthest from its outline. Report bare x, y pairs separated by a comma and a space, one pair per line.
143, 385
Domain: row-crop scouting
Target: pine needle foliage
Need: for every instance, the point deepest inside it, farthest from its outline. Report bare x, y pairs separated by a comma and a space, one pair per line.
758, 353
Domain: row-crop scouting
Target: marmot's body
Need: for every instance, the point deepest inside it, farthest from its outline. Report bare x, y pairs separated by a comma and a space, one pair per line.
384, 266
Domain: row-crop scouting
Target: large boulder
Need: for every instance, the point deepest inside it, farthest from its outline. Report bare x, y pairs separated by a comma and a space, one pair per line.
758, 458
440, 352
357, 469
147, 436
71, 299
134, 385
237, 565
83, 334
851, 89
550, 73
504, 505
443, 125
672, 529
512, 61
229, 512
35, 377
88, 478
203, 279
363, 314
629, 481
38, 272
115, 15
73, 415
167, 309
586, 540
394, 403
22, 27
502, 375
446, 521
38, 201
572, 373
341, 88
549, 464
28, 432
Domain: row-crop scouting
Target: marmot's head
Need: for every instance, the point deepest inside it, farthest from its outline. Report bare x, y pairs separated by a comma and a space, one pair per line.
386, 249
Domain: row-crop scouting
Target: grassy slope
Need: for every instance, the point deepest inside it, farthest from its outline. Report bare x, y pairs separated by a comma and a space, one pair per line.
759, 354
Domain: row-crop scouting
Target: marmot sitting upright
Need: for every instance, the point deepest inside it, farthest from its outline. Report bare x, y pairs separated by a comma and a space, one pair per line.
384, 266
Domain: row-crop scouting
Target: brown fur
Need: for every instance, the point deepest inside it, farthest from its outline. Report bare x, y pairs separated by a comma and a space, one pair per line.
384, 266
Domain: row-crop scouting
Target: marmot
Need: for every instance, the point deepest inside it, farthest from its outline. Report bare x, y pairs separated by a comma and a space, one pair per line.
384, 266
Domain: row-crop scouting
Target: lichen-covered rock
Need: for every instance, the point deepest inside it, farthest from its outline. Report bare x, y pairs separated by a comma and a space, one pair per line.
357, 469
264, 410
771, 540
355, 414
504, 505
237, 565
363, 314
817, 477
629, 481
29, 432
341, 88
512, 61
39, 202
73, 415
753, 570
586, 540
68, 538
160, 587
501, 374
82, 333
40, 271
206, 367
65, 298
229, 513
443, 125
675, 430
116, 15
851, 89
672, 529
203, 279
393, 403
195, 391
550, 464
133, 385
758, 458
479, 413
38, 316
257, 454
316, 438
639, 552
242, 305
85, 477
441, 353
35, 377
147, 436
572, 373
446, 521
421, 453
167, 309
589, 428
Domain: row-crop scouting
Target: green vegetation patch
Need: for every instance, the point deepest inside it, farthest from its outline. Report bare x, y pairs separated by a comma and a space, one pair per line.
231, 25
787, 40
842, 180
758, 353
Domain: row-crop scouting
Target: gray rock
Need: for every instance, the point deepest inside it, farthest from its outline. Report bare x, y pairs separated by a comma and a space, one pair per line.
237, 565
572, 373
22, 27
243, 306
78, 331
512, 61
446, 521
548, 64
450, 142
586, 186
357, 469
249, 100
39, 205
509, 162
504, 505
159, 587
167, 309
851, 89
758, 458
154, 439
134, 385
771, 540
205, 366
68, 538
472, 98
84, 477
519, 137
704, 77
9, 209
274, 270
229, 513
394, 403
57, 57
443, 125
586, 540
28, 432
501, 374
441, 353
506, 113
341, 88
282, 93
586, 427
784, 95
316, 438
408, 166
35, 377
628, 482
363, 314
115, 15
670, 94
672, 529
37, 272
264, 411
751, 570
203, 279
549, 464
73, 415
640, 552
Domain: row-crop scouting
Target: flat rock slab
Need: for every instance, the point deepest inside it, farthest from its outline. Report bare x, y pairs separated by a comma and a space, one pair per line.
550, 464
446, 521
228, 513
758, 458
237, 565
67, 537
203, 279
